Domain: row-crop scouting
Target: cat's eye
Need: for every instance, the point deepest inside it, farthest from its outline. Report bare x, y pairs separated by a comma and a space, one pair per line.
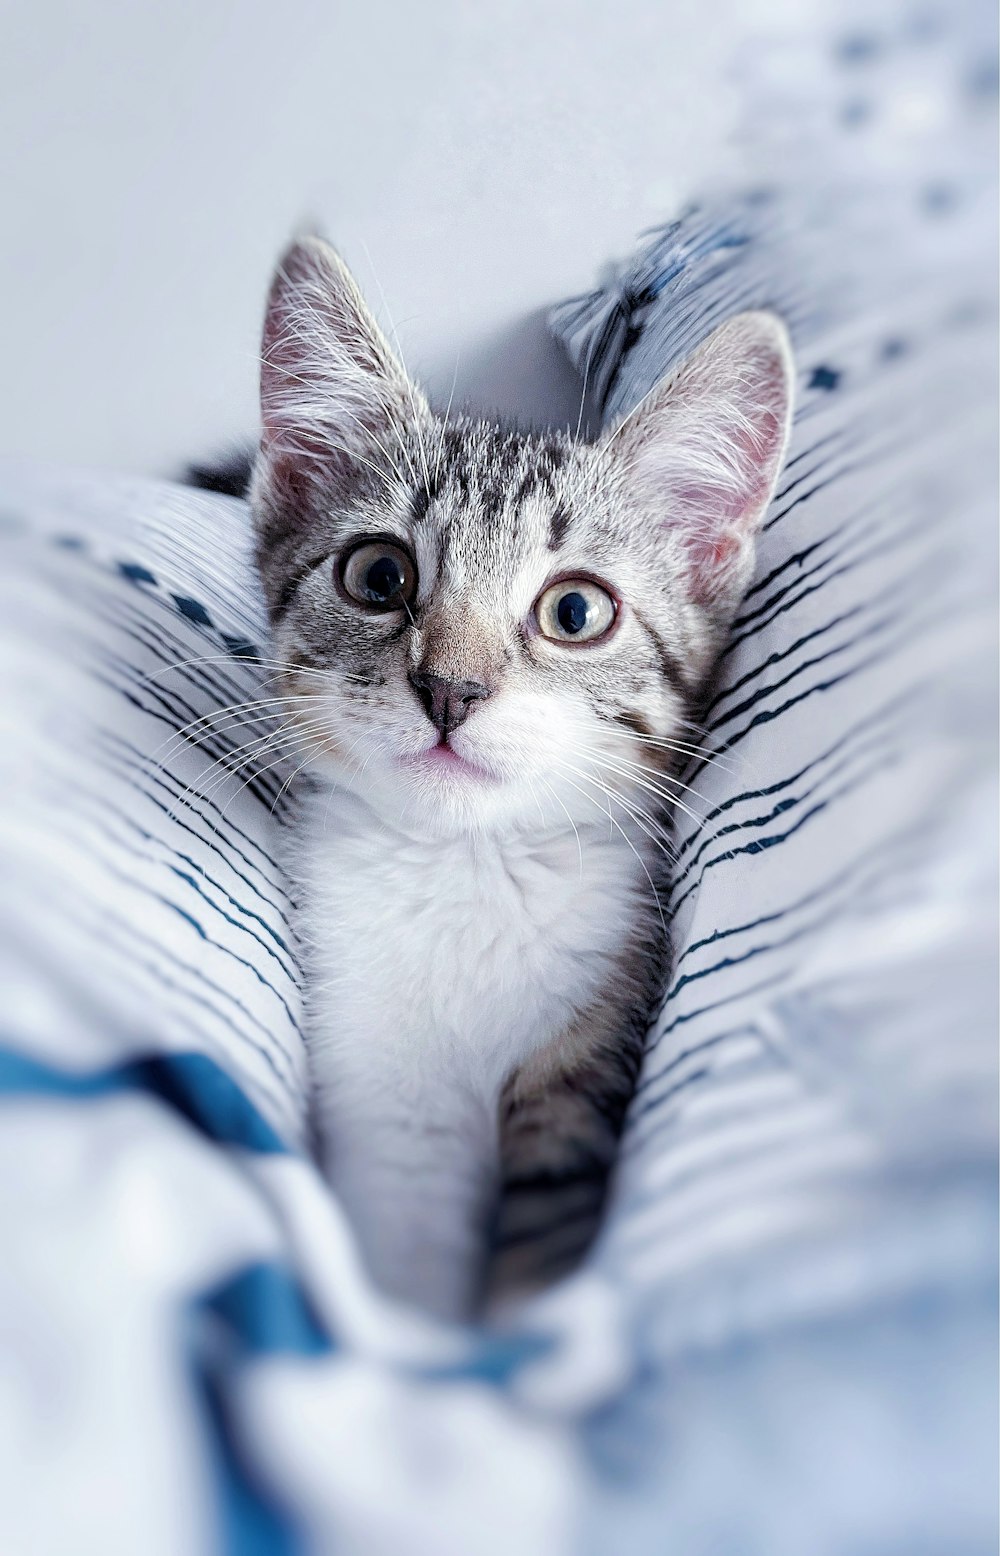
575, 610
380, 575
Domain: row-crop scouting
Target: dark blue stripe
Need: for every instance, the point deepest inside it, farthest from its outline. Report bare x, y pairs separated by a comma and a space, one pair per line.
850, 534
193, 611
819, 689
878, 740
234, 597
250, 1521
174, 907
154, 681
875, 630
265, 1312
139, 763
184, 989
836, 436
262, 1311
694, 1052
216, 744
707, 1010
157, 633
288, 967
893, 543
243, 929
229, 578
777, 839
792, 938
851, 468
857, 867
893, 589
136, 573
880, 718
494, 1359
795, 559
191, 1084
261, 785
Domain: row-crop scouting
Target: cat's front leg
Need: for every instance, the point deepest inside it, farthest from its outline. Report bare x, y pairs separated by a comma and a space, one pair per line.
411, 1153
560, 1120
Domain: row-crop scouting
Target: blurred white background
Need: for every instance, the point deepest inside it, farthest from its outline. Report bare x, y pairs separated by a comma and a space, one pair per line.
475, 161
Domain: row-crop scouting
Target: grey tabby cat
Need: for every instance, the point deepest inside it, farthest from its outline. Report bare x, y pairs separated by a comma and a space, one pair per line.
490, 646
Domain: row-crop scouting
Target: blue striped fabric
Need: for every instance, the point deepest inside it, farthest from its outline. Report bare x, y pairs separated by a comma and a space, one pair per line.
132, 839
784, 1338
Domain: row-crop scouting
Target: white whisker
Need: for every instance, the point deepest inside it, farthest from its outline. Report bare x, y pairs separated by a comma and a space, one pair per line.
213, 723
549, 790
444, 423
640, 776
409, 382
621, 829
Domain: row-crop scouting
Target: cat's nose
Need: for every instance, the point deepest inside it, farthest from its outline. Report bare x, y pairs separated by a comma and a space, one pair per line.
446, 702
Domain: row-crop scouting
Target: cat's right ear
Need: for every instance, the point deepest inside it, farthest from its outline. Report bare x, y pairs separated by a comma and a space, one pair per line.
335, 400
700, 456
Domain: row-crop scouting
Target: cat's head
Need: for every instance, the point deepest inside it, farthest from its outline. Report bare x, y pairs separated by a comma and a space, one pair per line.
482, 627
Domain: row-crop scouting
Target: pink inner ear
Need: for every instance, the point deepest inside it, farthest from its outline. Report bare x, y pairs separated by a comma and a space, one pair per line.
711, 554
746, 469
331, 392
714, 552
711, 457
760, 447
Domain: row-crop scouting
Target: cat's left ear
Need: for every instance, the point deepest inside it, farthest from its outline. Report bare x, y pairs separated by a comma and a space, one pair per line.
701, 455
335, 399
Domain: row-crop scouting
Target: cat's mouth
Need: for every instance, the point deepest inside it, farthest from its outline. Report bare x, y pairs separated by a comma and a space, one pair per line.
444, 759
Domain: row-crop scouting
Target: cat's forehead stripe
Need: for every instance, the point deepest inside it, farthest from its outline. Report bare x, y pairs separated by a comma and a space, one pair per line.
500, 467
558, 526
673, 671
422, 499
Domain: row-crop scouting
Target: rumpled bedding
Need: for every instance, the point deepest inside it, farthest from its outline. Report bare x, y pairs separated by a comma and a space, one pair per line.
784, 1339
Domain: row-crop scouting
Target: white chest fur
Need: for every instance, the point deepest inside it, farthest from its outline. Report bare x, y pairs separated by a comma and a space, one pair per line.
474, 951
436, 967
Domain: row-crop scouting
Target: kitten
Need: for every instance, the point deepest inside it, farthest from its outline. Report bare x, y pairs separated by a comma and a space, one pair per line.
491, 644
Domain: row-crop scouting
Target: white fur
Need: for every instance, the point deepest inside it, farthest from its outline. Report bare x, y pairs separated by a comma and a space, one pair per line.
439, 964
